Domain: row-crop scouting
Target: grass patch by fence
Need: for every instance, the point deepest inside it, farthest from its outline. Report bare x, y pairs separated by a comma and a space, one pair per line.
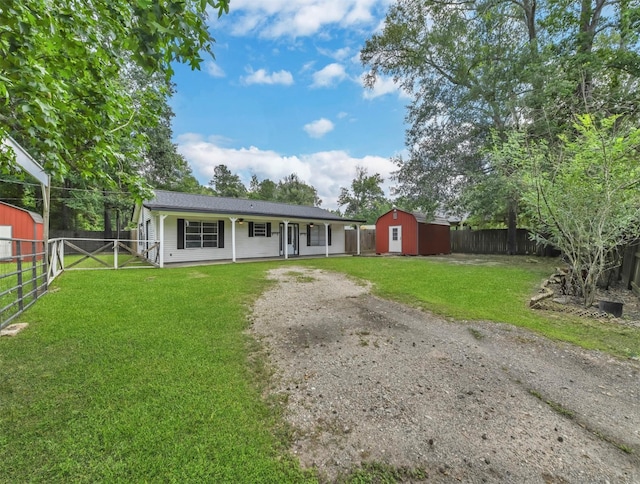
495, 289
139, 376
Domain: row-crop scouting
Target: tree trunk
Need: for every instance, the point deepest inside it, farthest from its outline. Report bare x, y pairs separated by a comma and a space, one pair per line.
512, 209
108, 232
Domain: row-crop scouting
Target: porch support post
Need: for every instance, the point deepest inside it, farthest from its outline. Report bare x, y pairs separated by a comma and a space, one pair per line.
161, 246
326, 239
358, 239
285, 239
233, 238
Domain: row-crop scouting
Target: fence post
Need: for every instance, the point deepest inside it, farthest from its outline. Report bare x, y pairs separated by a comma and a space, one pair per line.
34, 268
45, 266
115, 254
61, 247
19, 269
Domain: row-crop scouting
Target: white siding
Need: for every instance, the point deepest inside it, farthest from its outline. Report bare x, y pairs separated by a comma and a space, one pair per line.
337, 241
147, 237
246, 247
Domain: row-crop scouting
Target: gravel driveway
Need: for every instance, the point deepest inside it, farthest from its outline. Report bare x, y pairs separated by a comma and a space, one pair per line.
368, 380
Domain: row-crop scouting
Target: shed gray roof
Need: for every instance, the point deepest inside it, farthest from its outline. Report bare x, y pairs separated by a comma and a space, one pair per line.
436, 220
186, 202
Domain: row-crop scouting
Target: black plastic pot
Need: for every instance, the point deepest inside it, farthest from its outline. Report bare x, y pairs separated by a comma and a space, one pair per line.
611, 307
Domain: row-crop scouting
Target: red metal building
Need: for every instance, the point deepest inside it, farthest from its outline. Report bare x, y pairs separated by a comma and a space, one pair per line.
409, 233
18, 223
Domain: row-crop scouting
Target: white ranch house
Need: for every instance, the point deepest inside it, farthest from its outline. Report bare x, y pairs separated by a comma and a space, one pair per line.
180, 228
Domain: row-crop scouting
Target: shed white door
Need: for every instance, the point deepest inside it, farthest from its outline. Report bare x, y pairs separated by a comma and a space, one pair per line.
395, 238
5, 245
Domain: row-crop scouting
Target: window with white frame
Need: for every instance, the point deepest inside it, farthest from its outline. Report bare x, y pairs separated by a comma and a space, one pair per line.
316, 235
259, 229
200, 234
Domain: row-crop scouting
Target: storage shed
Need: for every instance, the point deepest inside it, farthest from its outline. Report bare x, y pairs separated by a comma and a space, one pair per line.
18, 223
410, 233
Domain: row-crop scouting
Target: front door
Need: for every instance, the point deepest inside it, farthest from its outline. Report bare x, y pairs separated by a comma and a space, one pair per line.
292, 238
395, 238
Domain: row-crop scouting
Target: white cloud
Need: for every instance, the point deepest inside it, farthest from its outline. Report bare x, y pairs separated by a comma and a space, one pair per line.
307, 66
383, 86
214, 70
297, 18
329, 75
342, 115
261, 76
318, 128
339, 54
327, 171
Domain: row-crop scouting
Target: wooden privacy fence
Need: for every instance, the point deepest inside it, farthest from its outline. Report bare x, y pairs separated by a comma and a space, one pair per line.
367, 241
630, 272
491, 241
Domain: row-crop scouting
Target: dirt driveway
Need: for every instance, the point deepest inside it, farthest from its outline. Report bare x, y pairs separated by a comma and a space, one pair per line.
367, 380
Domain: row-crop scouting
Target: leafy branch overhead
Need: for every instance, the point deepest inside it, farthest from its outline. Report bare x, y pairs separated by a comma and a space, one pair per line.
65, 78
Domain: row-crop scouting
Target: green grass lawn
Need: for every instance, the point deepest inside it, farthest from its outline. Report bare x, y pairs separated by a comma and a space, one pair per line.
148, 376
139, 376
33, 280
483, 291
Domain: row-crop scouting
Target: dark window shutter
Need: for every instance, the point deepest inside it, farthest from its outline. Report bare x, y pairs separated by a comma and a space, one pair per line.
180, 233
308, 234
329, 234
268, 229
250, 229
220, 234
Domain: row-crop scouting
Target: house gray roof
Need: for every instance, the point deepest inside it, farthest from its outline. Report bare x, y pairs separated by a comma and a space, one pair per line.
187, 202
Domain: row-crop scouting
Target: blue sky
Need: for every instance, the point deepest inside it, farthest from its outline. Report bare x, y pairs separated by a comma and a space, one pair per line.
285, 95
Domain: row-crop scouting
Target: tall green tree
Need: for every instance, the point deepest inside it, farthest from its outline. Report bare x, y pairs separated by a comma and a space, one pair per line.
365, 199
227, 184
482, 68
64, 93
291, 189
262, 190
162, 166
459, 61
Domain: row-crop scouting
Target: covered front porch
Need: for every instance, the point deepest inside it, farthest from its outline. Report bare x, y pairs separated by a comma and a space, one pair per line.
200, 228
207, 238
